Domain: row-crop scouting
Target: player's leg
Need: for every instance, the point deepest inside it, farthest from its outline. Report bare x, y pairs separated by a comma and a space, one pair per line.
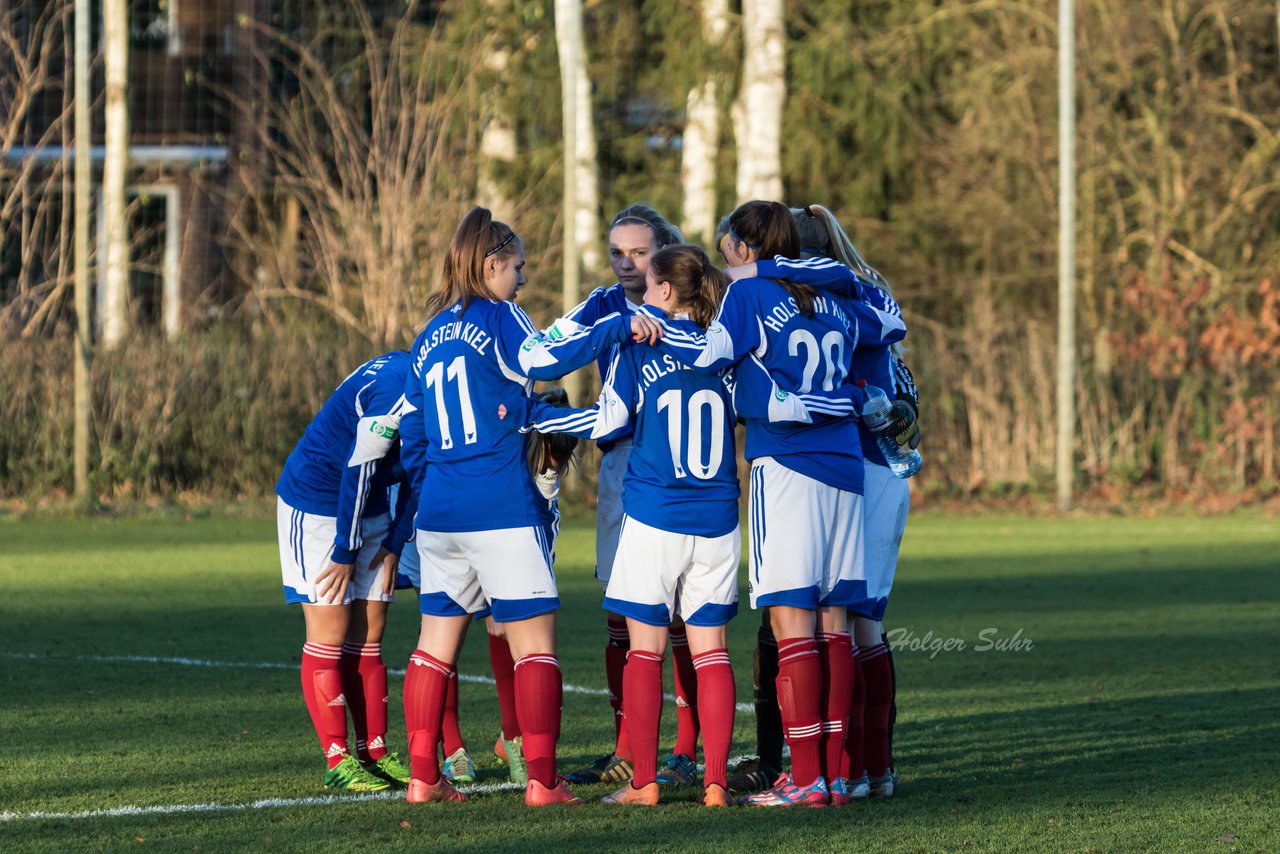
680, 767
642, 680
646, 575
614, 767
889, 501
364, 675
426, 684
509, 747
457, 765
305, 543
835, 657
449, 599
760, 771
514, 569
539, 697
789, 550
708, 600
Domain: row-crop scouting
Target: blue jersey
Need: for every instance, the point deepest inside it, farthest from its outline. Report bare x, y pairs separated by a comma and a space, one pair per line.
875, 364
682, 473
469, 388
565, 337
802, 353
349, 455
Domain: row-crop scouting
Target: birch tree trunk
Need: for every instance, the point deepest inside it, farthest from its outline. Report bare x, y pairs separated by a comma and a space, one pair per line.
702, 134
758, 110
115, 278
573, 76
498, 137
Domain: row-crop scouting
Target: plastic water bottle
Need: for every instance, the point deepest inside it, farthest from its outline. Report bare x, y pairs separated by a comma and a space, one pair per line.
903, 461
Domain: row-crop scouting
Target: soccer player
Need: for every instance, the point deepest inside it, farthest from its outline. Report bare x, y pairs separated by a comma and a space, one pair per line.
806, 481
679, 546
338, 554
479, 534
636, 233
824, 243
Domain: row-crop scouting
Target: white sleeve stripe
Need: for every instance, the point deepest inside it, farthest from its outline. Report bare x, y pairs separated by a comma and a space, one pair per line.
523, 319
354, 540
575, 421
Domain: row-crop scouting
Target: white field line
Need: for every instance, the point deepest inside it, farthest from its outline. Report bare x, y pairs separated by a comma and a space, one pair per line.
278, 665
266, 803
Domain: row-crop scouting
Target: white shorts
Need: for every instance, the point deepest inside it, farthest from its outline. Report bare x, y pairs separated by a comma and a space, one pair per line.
506, 572
884, 519
658, 573
613, 466
806, 540
306, 541
409, 569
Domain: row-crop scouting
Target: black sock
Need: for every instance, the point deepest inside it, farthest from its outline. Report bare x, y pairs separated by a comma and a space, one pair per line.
768, 715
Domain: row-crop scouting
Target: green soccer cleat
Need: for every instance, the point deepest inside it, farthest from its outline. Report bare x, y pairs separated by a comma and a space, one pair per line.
510, 752
459, 768
391, 769
677, 770
351, 776
606, 769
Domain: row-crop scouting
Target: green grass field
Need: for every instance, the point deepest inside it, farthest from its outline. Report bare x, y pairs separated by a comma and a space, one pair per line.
1145, 715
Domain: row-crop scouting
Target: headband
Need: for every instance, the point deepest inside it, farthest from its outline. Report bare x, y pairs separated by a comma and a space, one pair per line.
495, 250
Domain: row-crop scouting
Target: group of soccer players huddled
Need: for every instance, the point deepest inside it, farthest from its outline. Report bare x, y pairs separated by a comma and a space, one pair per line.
440, 469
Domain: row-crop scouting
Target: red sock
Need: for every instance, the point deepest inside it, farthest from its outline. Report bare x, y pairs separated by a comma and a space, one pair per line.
799, 699
539, 694
854, 767
364, 681
686, 684
322, 689
450, 735
643, 711
615, 659
836, 661
504, 677
353, 690
878, 677
716, 705
425, 686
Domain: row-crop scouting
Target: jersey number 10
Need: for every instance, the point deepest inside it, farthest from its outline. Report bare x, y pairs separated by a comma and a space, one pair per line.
436, 379
672, 402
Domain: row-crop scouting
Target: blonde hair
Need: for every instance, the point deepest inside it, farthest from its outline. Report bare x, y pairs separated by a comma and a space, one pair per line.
821, 233
478, 238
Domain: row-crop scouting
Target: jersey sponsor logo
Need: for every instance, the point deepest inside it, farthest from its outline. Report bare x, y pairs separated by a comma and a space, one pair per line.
386, 431
779, 394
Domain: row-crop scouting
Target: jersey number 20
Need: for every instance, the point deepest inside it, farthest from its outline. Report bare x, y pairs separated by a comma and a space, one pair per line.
671, 401
435, 379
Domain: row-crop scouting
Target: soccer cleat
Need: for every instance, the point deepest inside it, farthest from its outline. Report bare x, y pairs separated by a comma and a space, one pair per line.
391, 769
505, 750
459, 768
752, 776
844, 790
538, 795
678, 770
606, 769
629, 795
882, 787
716, 796
785, 793
421, 792
350, 775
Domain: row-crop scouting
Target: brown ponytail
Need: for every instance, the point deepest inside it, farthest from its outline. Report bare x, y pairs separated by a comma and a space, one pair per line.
479, 237
769, 229
699, 285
